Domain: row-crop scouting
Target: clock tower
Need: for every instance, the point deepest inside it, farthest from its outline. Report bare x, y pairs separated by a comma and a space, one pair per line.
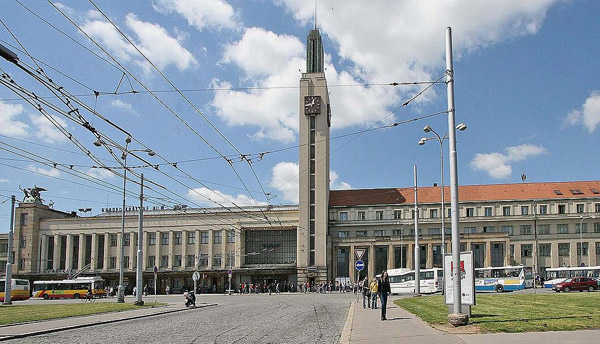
314, 122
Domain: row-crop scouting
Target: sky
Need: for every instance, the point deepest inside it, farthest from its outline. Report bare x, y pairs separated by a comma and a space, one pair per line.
211, 86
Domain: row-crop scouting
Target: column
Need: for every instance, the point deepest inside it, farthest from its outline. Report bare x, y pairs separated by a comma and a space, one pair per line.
132, 249
488, 253
372, 272
390, 263
69, 257
410, 253
352, 259
429, 261
56, 256
197, 248
184, 251
119, 243
80, 260
224, 252
171, 248
239, 250
145, 254
106, 251
574, 257
94, 251
157, 250
44, 253
554, 258
210, 248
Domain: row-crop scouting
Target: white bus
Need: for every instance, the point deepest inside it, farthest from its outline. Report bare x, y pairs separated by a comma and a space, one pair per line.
403, 280
70, 288
19, 289
558, 275
504, 278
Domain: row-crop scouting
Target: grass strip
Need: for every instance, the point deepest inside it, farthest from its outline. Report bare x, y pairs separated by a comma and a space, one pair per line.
517, 312
27, 313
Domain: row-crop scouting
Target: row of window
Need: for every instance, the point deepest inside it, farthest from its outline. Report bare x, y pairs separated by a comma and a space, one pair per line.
177, 238
542, 229
564, 249
541, 209
190, 261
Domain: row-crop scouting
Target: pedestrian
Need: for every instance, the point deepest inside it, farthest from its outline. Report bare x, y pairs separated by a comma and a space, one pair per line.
365, 292
146, 290
373, 289
167, 290
134, 291
384, 290
277, 288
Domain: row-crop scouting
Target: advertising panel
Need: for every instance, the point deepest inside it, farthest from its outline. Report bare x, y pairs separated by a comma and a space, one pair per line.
467, 279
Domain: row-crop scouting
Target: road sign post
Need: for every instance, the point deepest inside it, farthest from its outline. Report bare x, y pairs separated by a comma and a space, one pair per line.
155, 277
229, 274
195, 277
359, 265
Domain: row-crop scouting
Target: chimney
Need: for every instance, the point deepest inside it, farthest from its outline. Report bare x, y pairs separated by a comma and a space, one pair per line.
434, 184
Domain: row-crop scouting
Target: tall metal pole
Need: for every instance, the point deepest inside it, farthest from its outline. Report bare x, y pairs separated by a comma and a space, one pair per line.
140, 259
443, 212
121, 290
417, 248
7, 281
453, 177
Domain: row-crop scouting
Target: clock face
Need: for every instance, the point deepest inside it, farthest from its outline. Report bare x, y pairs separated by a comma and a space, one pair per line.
312, 105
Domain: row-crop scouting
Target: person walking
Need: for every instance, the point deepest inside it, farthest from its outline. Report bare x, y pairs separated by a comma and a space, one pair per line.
168, 290
383, 289
373, 288
365, 293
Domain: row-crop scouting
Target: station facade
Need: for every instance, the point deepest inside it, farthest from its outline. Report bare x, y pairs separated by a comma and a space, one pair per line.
538, 224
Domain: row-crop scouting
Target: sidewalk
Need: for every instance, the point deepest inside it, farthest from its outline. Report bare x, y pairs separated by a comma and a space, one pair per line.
365, 326
49, 326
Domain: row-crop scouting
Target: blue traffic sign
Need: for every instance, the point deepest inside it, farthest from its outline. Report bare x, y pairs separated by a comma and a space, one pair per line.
360, 265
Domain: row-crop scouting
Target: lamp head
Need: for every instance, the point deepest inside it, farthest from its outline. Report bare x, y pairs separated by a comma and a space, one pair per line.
422, 141
150, 152
461, 127
128, 139
427, 129
97, 143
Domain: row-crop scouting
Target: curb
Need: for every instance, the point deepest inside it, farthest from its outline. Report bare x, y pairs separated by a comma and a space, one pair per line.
59, 329
345, 337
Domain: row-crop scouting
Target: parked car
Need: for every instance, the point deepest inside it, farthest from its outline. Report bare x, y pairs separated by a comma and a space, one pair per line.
576, 283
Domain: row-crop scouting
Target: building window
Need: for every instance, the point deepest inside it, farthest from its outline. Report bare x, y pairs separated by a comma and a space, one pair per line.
191, 237
217, 261
230, 259
178, 238
489, 229
470, 212
164, 239
343, 234
203, 259
21, 263
151, 239
597, 205
433, 213
113, 240
23, 241
164, 261
23, 220
581, 229
524, 210
544, 229
526, 250
204, 237
379, 215
113, 262
597, 229
585, 248
126, 262
545, 250
580, 208
343, 216
231, 236
525, 229
487, 211
470, 230
361, 216
361, 233
562, 209
177, 260
126, 239
507, 229
190, 261
396, 232
379, 232
512, 250
217, 237
506, 211
563, 249
543, 209
398, 214
151, 261
562, 228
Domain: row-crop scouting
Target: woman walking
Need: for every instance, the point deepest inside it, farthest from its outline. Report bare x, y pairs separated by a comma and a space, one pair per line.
383, 289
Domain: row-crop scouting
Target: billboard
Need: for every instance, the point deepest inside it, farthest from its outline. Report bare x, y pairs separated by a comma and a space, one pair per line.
467, 279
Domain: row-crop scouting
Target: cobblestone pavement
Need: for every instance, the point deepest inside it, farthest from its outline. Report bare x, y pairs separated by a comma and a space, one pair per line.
284, 318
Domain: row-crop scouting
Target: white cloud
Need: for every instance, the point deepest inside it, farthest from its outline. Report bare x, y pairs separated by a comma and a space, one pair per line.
589, 115
152, 39
200, 13
497, 165
119, 104
9, 126
334, 184
209, 198
100, 173
50, 172
46, 131
2, 180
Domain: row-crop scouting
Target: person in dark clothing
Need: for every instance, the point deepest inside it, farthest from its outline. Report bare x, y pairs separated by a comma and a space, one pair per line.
383, 289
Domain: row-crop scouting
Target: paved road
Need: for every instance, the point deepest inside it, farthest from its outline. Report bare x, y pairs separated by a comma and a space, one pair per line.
285, 318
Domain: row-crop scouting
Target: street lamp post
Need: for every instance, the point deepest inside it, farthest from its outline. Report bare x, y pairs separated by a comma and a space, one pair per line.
583, 217
125, 151
440, 139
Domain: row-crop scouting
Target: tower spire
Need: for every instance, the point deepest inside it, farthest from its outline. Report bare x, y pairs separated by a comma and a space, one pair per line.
315, 15
314, 49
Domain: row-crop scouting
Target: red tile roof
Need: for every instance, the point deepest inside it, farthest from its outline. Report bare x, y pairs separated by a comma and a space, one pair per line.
466, 193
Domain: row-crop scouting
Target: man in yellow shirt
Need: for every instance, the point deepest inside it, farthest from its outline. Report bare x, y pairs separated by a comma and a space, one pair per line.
373, 288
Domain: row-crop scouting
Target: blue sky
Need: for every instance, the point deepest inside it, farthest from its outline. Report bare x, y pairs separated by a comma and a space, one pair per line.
525, 84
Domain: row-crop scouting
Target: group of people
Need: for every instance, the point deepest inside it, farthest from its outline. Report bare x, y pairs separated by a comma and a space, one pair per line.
376, 288
258, 288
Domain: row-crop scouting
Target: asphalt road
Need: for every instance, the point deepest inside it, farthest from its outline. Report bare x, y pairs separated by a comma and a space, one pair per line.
284, 318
